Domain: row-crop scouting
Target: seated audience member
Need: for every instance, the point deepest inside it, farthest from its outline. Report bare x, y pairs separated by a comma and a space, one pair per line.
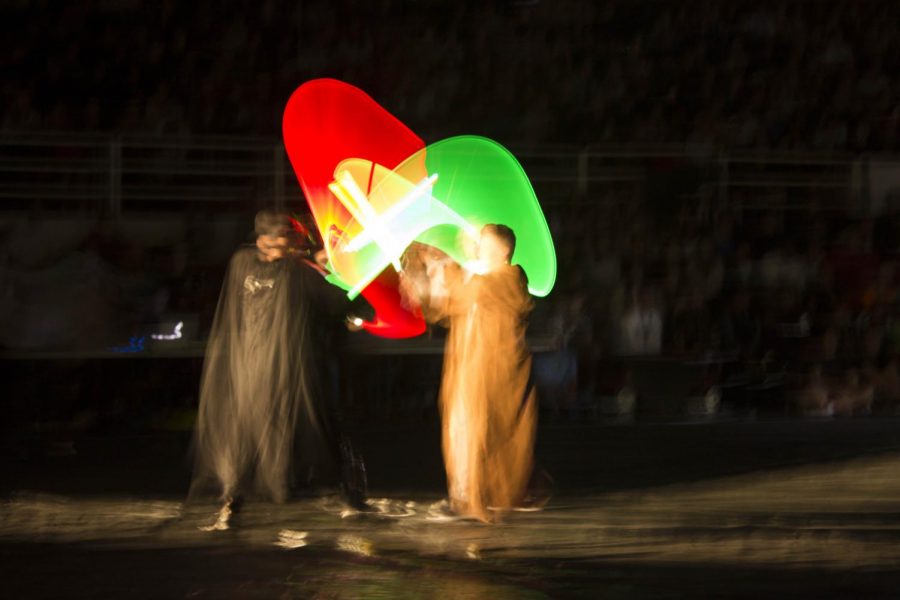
814, 399
853, 397
642, 326
556, 372
742, 329
887, 386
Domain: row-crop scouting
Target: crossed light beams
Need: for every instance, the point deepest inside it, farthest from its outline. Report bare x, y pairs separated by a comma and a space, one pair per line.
355, 200
393, 229
390, 215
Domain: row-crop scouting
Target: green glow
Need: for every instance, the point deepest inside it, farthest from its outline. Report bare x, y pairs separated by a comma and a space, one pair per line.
484, 183
472, 181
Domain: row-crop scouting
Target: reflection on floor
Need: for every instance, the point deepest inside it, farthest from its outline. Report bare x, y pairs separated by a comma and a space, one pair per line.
843, 516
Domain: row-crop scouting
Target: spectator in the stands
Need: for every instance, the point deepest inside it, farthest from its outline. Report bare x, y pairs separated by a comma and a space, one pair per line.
853, 396
814, 398
805, 75
742, 329
887, 385
642, 325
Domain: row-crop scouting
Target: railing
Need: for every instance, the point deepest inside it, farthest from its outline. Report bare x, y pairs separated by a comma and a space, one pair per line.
125, 173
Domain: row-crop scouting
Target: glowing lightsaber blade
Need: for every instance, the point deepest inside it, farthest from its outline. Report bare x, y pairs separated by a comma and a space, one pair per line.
386, 219
370, 220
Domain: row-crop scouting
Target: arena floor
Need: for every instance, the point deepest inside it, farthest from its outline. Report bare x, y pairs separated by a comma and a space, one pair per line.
727, 509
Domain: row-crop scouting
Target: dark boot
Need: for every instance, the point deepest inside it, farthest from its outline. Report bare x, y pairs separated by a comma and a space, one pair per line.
354, 483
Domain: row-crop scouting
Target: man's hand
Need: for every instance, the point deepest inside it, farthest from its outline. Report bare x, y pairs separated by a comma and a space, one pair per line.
321, 258
354, 323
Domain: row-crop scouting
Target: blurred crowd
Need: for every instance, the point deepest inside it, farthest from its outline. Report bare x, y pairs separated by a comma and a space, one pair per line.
809, 296
99, 289
805, 75
805, 298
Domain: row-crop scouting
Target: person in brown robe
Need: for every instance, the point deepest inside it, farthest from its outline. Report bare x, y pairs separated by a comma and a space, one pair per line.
487, 401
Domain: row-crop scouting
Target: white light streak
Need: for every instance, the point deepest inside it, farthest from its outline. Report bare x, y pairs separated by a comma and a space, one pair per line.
371, 220
175, 335
366, 235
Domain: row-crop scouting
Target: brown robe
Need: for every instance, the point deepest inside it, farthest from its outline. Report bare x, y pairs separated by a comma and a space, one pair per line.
488, 405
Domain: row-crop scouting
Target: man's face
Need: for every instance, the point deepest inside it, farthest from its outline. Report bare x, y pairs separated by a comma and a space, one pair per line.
492, 251
273, 247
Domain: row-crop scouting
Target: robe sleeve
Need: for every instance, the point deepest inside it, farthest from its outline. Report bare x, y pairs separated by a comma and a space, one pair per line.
429, 281
507, 289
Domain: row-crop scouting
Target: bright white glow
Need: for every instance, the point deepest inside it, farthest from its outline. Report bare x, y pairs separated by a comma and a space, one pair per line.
355, 544
391, 231
365, 237
175, 335
290, 539
475, 266
338, 190
371, 220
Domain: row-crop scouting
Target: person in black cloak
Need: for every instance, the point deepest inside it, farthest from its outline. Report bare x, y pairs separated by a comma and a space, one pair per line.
264, 424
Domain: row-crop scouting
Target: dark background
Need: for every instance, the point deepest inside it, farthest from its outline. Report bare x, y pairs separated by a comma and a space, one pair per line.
717, 364
728, 168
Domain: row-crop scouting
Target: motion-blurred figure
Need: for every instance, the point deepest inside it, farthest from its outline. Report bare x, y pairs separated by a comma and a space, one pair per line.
488, 403
814, 399
855, 396
263, 421
642, 326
